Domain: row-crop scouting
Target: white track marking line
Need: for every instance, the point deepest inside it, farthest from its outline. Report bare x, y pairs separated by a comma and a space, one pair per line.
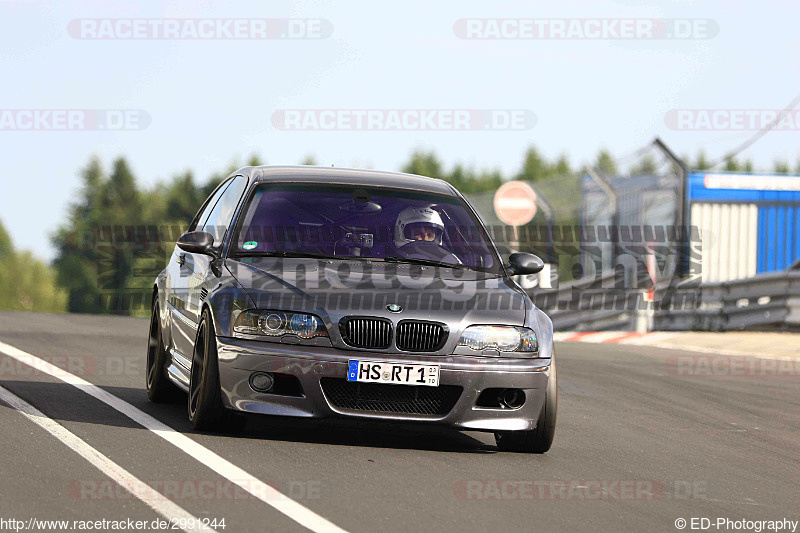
264, 492
152, 498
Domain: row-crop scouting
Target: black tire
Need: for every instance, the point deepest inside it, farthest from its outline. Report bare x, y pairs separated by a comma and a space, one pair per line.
206, 411
538, 440
159, 388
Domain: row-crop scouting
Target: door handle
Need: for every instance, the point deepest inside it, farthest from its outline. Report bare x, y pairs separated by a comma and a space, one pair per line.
182, 259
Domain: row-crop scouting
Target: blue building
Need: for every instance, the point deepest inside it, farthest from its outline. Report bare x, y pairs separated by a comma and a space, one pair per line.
748, 222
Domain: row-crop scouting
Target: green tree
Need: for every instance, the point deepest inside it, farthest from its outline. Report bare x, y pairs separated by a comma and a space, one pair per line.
121, 210
562, 167
6, 248
701, 163
534, 166
424, 164
255, 161
217, 177
605, 163
309, 160
467, 181
28, 283
76, 255
120, 196
646, 166
732, 165
112, 244
181, 199
781, 167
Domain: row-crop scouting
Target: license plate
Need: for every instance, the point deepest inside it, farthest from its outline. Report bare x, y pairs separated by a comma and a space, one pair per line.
393, 373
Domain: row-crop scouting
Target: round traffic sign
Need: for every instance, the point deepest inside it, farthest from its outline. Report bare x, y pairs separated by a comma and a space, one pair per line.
515, 203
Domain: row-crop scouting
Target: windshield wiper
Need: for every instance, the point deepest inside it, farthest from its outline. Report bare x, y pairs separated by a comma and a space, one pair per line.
389, 259
308, 255
413, 260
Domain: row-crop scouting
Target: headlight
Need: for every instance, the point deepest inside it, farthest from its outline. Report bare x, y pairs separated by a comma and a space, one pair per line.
279, 323
502, 338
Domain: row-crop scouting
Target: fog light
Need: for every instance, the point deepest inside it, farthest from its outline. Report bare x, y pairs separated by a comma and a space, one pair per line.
512, 398
261, 381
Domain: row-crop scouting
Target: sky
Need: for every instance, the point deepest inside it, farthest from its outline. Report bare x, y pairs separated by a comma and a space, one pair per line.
207, 103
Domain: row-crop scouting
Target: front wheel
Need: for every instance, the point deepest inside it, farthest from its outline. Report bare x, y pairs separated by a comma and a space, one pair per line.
206, 411
538, 440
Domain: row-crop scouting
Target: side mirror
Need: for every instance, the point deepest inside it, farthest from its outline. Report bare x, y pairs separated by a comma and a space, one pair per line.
197, 242
524, 263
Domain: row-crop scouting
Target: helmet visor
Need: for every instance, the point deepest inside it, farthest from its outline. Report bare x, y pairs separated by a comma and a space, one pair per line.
423, 231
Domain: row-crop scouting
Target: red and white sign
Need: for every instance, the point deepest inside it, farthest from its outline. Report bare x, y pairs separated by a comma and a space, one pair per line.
515, 203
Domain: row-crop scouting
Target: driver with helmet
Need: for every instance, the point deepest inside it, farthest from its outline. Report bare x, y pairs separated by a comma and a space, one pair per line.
418, 224
418, 233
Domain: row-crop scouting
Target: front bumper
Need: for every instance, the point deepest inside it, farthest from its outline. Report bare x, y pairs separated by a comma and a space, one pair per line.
238, 359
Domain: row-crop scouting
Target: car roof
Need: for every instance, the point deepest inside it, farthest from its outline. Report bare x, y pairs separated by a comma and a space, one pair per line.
348, 176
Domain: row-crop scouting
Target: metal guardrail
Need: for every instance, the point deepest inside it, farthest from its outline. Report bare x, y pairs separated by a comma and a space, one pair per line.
768, 300
586, 305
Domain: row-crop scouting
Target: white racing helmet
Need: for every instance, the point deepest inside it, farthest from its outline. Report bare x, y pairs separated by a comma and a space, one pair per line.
414, 216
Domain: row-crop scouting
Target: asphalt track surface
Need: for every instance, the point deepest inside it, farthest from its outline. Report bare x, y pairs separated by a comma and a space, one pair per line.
641, 442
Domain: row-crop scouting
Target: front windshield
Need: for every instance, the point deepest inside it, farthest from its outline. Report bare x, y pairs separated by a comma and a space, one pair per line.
363, 222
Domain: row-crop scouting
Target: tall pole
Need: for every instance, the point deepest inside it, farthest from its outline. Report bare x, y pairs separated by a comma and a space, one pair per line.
682, 204
549, 215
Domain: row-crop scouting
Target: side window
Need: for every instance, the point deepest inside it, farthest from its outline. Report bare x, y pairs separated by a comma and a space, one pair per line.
220, 217
201, 218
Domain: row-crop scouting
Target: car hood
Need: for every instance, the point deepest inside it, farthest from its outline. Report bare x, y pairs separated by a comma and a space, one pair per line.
333, 289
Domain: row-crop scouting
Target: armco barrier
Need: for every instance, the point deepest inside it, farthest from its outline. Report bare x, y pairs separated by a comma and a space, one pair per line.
765, 301
769, 300
595, 305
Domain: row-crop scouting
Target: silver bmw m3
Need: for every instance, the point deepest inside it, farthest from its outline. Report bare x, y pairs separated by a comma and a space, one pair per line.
321, 292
